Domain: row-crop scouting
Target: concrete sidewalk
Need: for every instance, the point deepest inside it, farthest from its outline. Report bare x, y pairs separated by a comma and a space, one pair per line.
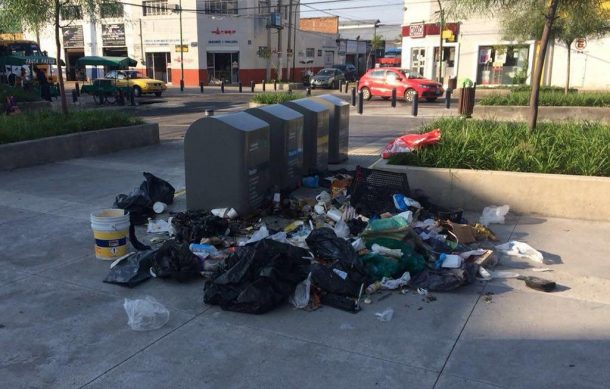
61, 327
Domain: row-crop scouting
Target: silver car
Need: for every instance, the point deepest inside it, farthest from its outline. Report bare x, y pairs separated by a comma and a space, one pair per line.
327, 78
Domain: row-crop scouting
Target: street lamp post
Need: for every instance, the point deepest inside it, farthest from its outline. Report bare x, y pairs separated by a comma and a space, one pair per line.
181, 51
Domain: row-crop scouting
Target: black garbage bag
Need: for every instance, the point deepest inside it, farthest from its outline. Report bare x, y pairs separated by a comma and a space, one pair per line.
139, 203
192, 226
338, 279
356, 226
175, 260
324, 244
132, 270
444, 280
258, 278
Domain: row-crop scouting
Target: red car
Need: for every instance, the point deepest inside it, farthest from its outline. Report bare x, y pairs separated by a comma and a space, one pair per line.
381, 81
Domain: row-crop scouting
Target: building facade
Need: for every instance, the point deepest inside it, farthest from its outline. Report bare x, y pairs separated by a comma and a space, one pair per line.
203, 41
474, 49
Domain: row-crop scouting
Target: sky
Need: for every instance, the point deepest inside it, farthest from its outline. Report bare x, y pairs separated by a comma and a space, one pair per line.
388, 11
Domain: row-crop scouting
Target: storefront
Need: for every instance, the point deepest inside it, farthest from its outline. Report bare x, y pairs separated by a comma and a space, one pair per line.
74, 48
503, 64
113, 40
223, 66
158, 66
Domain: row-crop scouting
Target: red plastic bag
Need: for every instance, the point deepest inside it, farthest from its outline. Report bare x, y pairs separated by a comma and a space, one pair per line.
410, 142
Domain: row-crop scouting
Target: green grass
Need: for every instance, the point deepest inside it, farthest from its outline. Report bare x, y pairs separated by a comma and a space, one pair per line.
35, 125
557, 148
585, 99
20, 94
275, 97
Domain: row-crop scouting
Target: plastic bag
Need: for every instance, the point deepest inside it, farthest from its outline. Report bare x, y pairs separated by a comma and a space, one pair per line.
388, 283
494, 214
379, 266
341, 229
261, 234
139, 203
131, 270
300, 297
445, 280
145, 314
394, 227
386, 315
175, 260
521, 250
403, 203
410, 142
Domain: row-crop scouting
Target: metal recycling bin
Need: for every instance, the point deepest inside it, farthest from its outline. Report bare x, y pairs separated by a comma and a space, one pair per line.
315, 134
338, 127
286, 145
226, 160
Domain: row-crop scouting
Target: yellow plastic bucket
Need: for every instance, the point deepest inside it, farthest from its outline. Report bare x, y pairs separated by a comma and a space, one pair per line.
110, 231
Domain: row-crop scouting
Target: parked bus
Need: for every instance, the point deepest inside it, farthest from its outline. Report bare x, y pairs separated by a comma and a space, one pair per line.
17, 54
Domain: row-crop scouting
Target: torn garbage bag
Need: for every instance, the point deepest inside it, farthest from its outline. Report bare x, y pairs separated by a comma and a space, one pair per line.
175, 260
132, 270
140, 202
192, 226
379, 266
324, 244
258, 278
444, 280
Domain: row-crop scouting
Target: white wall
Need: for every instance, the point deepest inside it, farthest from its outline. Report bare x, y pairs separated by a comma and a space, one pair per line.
590, 68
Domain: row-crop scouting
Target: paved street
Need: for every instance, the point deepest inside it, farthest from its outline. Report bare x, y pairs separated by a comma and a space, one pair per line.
61, 327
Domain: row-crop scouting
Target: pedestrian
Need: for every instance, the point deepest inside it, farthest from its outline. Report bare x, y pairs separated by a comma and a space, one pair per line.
45, 90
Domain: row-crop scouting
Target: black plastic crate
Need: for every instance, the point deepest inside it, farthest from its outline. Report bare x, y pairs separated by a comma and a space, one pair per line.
372, 190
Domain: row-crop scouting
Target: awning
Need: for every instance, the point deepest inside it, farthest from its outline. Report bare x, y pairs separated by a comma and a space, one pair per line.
19, 60
114, 62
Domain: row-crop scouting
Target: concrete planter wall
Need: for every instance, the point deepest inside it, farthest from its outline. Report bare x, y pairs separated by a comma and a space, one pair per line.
520, 113
556, 195
81, 144
280, 86
35, 106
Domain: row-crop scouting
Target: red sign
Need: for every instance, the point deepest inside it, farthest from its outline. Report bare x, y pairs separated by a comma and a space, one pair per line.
580, 43
428, 29
218, 31
417, 30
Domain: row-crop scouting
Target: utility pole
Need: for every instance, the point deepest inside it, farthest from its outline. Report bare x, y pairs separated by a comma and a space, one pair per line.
181, 52
440, 46
142, 45
289, 43
279, 42
268, 69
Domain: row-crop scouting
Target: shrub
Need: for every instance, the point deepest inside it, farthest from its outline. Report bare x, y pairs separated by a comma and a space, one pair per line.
274, 98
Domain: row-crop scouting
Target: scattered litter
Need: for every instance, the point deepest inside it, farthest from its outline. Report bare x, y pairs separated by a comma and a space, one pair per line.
503, 274
484, 274
139, 203
538, 283
159, 226
131, 269
422, 292
300, 297
494, 215
386, 315
395, 253
368, 300
410, 142
341, 229
159, 207
403, 203
521, 250
145, 314
387, 283
225, 213
261, 234
487, 298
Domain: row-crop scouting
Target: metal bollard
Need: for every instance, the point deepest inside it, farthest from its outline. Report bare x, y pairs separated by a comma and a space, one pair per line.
353, 97
448, 98
308, 92
252, 86
132, 98
340, 85
393, 97
274, 84
264, 85
209, 112
201, 87
415, 105
77, 90
222, 87
346, 87
240, 87
74, 96
181, 85
360, 102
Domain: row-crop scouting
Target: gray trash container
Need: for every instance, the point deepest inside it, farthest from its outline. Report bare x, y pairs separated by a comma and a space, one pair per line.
315, 134
226, 160
338, 128
286, 132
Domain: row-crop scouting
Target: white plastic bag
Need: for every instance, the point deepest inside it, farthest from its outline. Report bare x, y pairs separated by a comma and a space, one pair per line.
341, 229
158, 226
300, 297
394, 253
494, 214
388, 283
261, 234
358, 244
386, 315
145, 314
521, 250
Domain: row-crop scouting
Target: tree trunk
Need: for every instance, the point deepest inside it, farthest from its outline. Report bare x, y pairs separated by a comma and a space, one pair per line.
60, 77
537, 76
569, 65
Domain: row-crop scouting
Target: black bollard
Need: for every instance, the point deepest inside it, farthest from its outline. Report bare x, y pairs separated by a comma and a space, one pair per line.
448, 98
274, 84
201, 87
222, 87
353, 97
264, 88
181, 85
340, 85
74, 96
132, 97
209, 112
252, 86
415, 105
240, 87
77, 90
393, 97
346, 87
360, 102
308, 91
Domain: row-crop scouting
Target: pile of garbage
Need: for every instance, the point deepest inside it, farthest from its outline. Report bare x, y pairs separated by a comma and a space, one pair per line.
360, 232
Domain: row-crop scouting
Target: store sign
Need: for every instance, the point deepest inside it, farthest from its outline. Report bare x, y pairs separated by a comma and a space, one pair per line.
220, 42
73, 36
580, 43
113, 34
417, 30
161, 42
218, 31
183, 48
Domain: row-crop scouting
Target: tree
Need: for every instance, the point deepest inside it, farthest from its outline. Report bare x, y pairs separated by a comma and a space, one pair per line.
549, 14
34, 15
376, 43
575, 19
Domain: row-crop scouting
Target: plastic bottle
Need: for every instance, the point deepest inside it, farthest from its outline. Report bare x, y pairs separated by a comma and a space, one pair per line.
374, 287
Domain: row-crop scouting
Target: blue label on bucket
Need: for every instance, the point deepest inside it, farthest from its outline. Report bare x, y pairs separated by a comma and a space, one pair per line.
111, 242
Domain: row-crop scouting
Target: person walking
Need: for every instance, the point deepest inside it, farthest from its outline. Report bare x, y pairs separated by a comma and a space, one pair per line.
45, 90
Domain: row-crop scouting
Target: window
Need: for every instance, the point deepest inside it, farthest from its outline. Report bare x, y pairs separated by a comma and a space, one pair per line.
111, 10
310, 53
156, 7
319, 53
263, 7
378, 74
111, 74
221, 7
71, 12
